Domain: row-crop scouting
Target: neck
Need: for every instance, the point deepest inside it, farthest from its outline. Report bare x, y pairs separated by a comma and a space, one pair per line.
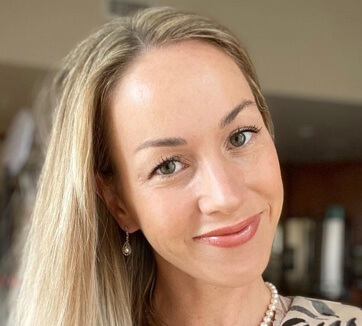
181, 300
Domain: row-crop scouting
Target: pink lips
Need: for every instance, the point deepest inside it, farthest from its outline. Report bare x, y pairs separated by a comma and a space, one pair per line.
232, 236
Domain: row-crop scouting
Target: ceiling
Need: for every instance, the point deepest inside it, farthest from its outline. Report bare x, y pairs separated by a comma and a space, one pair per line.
307, 55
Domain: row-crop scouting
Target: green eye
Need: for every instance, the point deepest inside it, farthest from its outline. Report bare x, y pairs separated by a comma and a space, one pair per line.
168, 167
242, 136
238, 139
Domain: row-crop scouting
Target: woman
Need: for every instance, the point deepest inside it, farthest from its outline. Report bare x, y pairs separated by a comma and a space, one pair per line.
161, 189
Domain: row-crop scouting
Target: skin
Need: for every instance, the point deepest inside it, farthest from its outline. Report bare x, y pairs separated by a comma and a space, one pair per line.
184, 90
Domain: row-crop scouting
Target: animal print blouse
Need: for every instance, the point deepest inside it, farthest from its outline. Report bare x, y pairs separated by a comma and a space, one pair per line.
302, 311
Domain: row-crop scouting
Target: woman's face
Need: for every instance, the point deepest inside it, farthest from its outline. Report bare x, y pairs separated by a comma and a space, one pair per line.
194, 156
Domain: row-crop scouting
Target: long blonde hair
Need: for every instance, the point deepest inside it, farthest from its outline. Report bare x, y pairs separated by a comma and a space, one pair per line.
72, 270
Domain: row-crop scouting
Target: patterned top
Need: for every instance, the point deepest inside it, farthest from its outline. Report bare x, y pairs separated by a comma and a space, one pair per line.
302, 311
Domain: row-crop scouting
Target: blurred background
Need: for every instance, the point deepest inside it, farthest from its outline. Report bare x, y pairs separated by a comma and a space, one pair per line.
308, 58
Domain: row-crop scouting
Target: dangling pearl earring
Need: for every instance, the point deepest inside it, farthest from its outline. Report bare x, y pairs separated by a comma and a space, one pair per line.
126, 249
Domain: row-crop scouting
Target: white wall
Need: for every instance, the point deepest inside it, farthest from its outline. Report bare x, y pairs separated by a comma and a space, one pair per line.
309, 48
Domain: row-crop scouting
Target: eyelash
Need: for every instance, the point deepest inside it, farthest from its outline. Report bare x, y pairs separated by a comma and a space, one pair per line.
177, 158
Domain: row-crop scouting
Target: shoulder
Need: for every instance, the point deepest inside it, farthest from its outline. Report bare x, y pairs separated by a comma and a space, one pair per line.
310, 311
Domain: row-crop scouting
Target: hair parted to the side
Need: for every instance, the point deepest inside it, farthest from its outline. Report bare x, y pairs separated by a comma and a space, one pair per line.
72, 270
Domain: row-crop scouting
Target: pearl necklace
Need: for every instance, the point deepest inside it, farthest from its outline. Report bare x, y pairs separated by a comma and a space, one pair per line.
267, 320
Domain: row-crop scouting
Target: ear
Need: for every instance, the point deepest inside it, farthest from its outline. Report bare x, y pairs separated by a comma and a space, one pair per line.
107, 192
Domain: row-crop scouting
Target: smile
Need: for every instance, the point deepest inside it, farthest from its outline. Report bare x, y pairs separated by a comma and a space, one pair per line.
232, 236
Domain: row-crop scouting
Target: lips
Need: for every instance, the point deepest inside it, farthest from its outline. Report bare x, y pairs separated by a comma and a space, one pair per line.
232, 236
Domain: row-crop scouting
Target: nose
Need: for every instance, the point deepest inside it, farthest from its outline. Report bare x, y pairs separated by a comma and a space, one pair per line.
222, 188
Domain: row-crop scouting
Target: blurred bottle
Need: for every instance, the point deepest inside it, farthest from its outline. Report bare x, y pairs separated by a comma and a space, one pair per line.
299, 254
332, 259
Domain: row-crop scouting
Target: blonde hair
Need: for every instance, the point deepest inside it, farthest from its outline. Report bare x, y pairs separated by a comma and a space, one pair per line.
73, 271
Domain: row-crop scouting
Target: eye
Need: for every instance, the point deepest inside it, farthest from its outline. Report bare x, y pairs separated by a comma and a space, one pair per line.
167, 167
242, 136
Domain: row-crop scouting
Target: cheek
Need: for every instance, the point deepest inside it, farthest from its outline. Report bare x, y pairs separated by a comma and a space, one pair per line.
264, 178
271, 169
271, 182
165, 214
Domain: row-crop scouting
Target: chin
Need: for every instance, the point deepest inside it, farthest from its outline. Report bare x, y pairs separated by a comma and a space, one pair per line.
234, 267
234, 273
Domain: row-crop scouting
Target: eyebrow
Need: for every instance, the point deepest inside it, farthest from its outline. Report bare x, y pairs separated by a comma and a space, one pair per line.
177, 141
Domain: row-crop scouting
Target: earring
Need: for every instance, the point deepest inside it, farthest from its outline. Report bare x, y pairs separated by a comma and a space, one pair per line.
126, 248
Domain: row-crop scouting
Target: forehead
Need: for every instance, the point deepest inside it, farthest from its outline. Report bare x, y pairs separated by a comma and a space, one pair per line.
173, 89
